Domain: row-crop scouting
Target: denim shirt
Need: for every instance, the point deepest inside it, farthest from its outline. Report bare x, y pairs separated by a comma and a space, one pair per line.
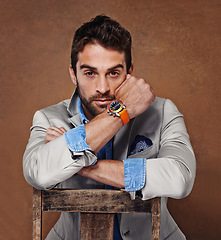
134, 168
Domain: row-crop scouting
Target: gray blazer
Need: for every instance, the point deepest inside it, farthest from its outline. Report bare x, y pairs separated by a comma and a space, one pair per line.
170, 164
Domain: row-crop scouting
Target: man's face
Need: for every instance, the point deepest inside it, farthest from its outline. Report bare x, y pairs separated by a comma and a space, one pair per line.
100, 72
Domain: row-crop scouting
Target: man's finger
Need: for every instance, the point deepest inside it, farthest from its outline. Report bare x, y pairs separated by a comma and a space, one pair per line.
128, 76
54, 130
63, 130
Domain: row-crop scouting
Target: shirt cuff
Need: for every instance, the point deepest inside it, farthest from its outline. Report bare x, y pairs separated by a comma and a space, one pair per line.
134, 173
76, 139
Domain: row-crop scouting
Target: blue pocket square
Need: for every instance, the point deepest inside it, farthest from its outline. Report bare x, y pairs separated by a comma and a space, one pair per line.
140, 144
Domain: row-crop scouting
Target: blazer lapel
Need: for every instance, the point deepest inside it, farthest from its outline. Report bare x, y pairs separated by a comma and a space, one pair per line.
73, 110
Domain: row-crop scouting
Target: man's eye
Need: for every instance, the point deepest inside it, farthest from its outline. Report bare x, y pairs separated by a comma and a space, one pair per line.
89, 73
114, 74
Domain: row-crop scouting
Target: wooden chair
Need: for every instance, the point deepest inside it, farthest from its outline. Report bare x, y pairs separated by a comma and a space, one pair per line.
96, 207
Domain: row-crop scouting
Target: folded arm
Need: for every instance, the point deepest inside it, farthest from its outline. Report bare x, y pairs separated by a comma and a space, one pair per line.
172, 172
110, 172
47, 164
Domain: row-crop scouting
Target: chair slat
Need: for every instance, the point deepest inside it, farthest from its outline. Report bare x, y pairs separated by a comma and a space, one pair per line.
93, 200
101, 226
37, 215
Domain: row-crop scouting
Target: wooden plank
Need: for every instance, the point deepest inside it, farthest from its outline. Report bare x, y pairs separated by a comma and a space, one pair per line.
101, 226
88, 202
155, 211
93, 200
37, 215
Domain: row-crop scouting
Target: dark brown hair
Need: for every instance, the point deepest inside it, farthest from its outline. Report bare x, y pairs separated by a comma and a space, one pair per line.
104, 31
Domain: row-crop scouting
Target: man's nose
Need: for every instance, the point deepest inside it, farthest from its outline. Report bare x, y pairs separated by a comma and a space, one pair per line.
102, 85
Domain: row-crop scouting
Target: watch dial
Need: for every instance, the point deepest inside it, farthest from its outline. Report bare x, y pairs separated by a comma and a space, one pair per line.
114, 106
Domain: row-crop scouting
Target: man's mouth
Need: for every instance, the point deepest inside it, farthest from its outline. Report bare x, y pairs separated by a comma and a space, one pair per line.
102, 101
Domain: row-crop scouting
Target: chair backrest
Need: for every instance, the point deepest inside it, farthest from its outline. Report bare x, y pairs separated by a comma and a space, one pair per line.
96, 207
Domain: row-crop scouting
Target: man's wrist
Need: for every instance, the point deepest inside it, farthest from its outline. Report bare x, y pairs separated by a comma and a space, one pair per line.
118, 108
134, 173
76, 139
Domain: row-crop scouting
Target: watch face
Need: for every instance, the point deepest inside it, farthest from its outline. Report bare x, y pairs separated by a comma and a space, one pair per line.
115, 105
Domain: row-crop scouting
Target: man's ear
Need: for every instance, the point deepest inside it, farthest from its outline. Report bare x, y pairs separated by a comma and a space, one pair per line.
72, 75
131, 69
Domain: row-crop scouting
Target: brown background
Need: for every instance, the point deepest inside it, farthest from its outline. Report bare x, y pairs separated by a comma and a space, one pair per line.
176, 48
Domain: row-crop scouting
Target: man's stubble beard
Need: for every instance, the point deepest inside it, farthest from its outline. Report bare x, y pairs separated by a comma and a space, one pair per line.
88, 103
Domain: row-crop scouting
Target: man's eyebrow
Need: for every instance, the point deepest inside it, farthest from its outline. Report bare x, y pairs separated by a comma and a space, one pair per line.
117, 66
83, 66
87, 66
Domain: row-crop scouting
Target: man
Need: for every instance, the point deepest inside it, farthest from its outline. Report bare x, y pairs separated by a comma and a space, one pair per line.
113, 132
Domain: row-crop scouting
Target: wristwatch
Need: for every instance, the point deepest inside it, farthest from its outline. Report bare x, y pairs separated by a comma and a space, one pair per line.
117, 108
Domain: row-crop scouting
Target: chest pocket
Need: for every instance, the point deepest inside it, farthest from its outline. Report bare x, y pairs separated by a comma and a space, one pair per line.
142, 147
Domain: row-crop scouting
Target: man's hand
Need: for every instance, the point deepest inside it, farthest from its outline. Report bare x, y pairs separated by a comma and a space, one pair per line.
109, 172
136, 94
54, 132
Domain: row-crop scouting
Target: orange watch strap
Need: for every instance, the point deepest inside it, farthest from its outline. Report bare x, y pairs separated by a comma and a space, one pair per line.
124, 116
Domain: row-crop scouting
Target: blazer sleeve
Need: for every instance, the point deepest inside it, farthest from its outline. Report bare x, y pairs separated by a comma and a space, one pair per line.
47, 164
172, 172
